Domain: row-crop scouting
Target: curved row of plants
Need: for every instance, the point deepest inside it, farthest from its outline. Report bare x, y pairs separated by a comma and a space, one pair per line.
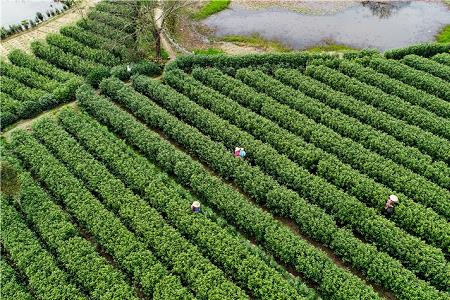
424, 49
137, 172
12, 287
70, 45
393, 106
346, 149
44, 275
225, 251
411, 76
254, 182
166, 243
442, 58
427, 65
95, 41
409, 215
394, 87
385, 145
332, 281
415, 254
121, 244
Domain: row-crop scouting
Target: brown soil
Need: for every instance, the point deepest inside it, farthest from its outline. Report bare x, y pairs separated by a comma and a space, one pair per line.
23, 40
164, 42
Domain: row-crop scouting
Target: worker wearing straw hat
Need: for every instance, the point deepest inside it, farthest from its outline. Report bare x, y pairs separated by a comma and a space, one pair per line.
389, 206
196, 207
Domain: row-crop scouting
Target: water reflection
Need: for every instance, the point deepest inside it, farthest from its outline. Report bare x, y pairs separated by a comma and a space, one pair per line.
381, 25
384, 9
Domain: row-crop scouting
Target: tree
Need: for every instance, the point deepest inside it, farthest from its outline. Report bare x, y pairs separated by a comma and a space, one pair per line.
153, 15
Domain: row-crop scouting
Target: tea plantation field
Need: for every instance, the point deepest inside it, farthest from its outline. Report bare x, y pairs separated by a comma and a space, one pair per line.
103, 208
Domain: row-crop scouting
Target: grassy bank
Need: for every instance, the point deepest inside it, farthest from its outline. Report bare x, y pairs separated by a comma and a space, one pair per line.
257, 41
444, 35
329, 48
212, 7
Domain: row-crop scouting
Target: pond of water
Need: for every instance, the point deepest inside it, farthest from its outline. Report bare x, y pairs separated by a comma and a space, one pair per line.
368, 24
14, 11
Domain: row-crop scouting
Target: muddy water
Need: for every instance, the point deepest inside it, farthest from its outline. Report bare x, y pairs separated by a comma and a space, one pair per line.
14, 11
384, 25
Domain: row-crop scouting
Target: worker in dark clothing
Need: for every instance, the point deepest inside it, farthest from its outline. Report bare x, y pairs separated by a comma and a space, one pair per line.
389, 206
196, 207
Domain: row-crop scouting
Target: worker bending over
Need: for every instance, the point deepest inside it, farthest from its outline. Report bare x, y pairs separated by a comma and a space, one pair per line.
389, 206
239, 152
196, 207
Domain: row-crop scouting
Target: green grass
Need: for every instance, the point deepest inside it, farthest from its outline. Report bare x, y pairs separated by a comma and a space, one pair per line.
209, 51
329, 48
444, 35
257, 41
213, 6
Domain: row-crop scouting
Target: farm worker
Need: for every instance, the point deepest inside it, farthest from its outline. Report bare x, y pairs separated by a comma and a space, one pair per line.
237, 152
128, 68
242, 153
389, 206
195, 207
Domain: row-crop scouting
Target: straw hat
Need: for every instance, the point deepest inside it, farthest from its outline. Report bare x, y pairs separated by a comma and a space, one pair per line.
196, 204
393, 198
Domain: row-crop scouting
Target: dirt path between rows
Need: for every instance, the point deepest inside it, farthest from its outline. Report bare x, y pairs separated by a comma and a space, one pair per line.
23, 40
164, 42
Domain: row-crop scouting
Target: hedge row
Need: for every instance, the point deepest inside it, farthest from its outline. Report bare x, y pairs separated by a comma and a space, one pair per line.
12, 288
21, 92
435, 146
411, 76
279, 240
126, 25
22, 59
168, 245
425, 50
267, 62
343, 207
45, 278
70, 45
223, 250
137, 172
383, 144
395, 87
28, 77
92, 271
128, 252
443, 58
392, 105
31, 101
146, 270
11, 110
92, 71
95, 41
124, 9
107, 31
345, 149
427, 65
409, 215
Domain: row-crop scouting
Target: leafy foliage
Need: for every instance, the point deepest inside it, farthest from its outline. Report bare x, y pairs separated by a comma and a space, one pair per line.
425, 50
233, 205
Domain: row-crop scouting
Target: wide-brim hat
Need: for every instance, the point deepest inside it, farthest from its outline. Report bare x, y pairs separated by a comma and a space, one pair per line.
393, 198
196, 204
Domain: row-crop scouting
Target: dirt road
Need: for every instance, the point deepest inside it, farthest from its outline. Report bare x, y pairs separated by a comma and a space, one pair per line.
23, 40
164, 42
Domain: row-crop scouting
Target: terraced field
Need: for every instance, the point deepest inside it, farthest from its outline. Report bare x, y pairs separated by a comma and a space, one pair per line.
104, 207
